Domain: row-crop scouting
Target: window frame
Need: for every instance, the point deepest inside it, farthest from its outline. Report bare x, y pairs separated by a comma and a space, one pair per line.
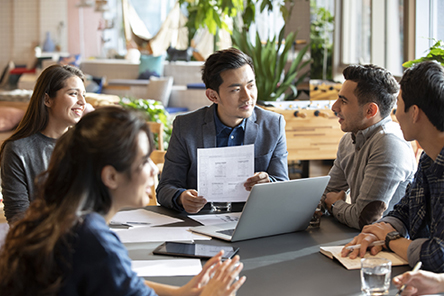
379, 42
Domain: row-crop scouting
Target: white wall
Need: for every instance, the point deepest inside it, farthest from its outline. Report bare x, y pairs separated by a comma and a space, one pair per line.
24, 23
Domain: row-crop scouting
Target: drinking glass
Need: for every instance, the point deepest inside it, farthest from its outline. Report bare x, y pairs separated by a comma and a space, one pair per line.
375, 275
220, 206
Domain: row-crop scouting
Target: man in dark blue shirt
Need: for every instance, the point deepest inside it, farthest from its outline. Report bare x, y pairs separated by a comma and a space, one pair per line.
232, 120
415, 228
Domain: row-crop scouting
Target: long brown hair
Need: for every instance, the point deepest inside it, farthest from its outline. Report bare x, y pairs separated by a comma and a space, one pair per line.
51, 80
34, 257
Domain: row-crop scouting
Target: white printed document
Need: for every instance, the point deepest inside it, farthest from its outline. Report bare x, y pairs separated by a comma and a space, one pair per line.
214, 219
173, 267
146, 234
222, 172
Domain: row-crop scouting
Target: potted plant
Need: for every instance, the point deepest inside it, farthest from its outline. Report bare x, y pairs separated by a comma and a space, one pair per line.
270, 58
213, 15
155, 111
275, 78
436, 52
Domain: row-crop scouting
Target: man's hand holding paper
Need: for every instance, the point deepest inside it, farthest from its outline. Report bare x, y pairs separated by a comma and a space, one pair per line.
259, 177
191, 201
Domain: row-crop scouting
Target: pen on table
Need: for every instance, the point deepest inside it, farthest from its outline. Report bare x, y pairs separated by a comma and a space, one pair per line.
375, 243
114, 224
416, 268
138, 223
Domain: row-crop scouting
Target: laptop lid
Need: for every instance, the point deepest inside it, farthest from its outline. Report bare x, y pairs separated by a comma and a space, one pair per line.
271, 209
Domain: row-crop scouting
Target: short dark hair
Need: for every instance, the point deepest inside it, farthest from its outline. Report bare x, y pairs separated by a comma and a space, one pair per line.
423, 85
221, 61
375, 84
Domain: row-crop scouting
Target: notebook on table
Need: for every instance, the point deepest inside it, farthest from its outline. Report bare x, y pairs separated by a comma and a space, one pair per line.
271, 209
334, 252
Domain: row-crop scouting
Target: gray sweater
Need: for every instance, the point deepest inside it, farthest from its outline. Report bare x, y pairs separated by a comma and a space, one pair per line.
23, 160
374, 166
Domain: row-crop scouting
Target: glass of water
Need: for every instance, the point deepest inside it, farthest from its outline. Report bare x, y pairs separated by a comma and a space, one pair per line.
375, 275
220, 206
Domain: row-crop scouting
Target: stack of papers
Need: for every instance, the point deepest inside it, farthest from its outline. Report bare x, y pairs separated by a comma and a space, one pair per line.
141, 228
143, 217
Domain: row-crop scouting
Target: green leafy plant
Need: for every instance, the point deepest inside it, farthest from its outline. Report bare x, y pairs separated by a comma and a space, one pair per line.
213, 14
155, 111
436, 52
270, 59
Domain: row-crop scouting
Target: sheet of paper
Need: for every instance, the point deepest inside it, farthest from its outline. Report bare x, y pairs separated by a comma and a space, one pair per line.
356, 263
157, 234
222, 172
143, 217
173, 267
213, 219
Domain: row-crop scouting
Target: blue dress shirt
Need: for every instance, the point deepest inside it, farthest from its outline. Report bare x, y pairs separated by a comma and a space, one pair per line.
228, 136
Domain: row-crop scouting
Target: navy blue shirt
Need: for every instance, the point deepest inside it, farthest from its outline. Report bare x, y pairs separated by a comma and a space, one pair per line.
99, 263
228, 136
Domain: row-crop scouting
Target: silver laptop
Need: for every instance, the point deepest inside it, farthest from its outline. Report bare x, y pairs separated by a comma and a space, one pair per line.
272, 208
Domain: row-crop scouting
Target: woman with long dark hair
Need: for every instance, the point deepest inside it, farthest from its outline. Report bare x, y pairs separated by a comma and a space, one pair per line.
57, 103
63, 245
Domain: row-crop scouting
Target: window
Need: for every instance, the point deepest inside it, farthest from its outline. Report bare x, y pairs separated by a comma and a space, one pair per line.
385, 33
370, 31
151, 12
429, 25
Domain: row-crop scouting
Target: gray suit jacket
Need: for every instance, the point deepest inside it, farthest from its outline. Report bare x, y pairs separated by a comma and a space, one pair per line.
264, 129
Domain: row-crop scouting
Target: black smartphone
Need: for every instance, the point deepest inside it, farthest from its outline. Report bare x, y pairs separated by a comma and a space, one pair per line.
194, 250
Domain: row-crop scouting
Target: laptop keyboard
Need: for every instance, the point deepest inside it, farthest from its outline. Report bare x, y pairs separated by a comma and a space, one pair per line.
228, 232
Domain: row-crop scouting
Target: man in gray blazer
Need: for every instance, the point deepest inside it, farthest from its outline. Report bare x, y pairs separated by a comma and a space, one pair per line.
233, 119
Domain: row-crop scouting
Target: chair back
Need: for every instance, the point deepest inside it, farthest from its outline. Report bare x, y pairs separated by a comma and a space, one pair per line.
159, 89
157, 130
157, 156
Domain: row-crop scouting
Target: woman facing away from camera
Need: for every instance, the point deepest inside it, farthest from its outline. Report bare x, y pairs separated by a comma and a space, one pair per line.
63, 245
57, 103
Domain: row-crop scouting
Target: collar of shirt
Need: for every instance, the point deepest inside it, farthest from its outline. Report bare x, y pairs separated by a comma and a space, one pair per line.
434, 168
365, 134
224, 132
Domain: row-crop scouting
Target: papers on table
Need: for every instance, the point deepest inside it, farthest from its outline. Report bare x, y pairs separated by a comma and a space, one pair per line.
143, 217
222, 172
213, 219
139, 228
157, 234
172, 267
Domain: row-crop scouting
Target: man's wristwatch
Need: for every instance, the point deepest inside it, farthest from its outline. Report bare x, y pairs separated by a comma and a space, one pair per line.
391, 236
331, 207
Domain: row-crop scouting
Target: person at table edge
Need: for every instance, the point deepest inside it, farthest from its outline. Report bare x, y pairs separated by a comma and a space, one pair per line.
233, 119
